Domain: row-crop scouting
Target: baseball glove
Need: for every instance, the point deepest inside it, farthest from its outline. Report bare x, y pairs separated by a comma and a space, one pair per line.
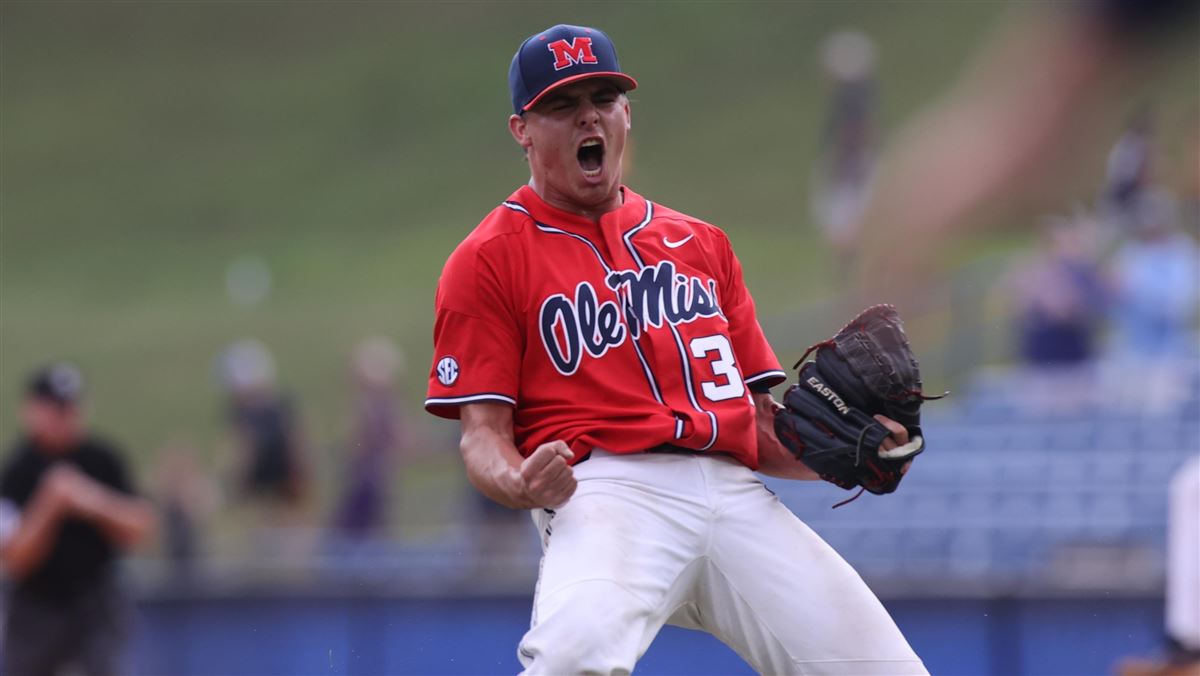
827, 419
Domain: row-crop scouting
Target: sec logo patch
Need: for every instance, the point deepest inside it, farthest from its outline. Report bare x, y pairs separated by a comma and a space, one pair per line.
447, 371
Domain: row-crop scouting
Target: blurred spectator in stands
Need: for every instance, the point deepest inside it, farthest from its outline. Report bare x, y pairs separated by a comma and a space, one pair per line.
269, 458
1157, 280
375, 440
1128, 174
67, 509
842, 177
1059, 297
186, 498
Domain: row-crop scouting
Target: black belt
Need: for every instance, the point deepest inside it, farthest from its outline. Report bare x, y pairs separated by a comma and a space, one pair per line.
666, 448
678, 450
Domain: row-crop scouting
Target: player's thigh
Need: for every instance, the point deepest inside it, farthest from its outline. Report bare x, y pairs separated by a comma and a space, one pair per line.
615, 562
787, 601
618, 532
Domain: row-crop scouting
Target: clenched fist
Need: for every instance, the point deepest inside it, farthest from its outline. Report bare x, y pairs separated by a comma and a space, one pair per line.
546, 477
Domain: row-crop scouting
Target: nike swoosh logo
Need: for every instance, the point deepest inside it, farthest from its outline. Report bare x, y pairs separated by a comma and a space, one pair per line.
676, 245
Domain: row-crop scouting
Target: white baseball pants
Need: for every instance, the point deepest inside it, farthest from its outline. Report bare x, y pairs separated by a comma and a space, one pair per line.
699, 542
1183, 556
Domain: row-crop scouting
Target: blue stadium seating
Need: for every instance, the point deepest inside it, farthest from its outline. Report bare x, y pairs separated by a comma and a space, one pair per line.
1004, 494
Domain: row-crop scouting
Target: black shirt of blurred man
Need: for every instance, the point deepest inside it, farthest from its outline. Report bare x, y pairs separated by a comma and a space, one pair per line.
266, 426
67, 509
82, 555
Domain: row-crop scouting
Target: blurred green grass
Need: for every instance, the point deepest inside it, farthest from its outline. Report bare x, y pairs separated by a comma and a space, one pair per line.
144, 146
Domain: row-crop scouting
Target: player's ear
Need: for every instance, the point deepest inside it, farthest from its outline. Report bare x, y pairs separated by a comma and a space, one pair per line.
628, 112
517, 127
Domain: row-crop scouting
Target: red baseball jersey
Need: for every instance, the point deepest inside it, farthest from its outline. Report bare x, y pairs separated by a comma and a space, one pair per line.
621, 335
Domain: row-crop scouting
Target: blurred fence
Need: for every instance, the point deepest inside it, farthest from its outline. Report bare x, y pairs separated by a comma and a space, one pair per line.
316, 633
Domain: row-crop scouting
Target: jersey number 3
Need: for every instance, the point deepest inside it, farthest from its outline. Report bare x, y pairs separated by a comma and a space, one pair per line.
722, 367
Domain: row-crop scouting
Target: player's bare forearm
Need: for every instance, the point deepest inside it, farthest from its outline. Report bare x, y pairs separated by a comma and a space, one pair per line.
496, 468
773, 459
491, 458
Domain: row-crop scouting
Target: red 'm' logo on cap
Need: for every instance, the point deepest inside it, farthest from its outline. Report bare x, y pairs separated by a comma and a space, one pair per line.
578, 50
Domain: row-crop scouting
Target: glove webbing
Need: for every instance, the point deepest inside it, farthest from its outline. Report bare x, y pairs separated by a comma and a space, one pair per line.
894, 397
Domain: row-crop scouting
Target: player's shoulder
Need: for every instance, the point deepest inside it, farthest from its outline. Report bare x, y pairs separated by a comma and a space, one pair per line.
499, 248
506, 220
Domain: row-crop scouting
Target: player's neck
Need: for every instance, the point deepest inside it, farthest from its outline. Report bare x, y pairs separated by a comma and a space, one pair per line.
590, 211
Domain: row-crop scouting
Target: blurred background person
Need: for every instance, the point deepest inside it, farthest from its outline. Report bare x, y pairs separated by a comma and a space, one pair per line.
1156, 285
1157, 278
268, 453
841, 179
68, 508
1059, 301
1129, 172
375, 440
271, 473
187, 496
1059, 297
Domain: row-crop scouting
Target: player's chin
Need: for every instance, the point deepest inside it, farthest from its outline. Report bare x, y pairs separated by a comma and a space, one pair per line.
603, 180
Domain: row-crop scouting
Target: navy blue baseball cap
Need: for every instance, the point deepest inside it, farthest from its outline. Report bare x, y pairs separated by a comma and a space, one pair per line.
561, 55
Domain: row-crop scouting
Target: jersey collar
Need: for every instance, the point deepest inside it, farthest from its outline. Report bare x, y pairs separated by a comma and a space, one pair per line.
631, 212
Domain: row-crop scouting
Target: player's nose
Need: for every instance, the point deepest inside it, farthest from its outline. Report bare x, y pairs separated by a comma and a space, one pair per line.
589, 114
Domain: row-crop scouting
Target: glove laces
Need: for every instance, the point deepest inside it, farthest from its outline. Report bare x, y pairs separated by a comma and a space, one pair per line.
857, 459
852, 499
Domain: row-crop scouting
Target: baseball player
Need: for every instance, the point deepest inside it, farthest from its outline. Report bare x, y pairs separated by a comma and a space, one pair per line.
603, 355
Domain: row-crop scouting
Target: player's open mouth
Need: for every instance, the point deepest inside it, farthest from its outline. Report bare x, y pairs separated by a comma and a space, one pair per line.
591, 156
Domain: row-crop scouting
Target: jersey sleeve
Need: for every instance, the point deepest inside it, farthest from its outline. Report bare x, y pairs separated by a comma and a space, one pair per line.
759, 366
477, 338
